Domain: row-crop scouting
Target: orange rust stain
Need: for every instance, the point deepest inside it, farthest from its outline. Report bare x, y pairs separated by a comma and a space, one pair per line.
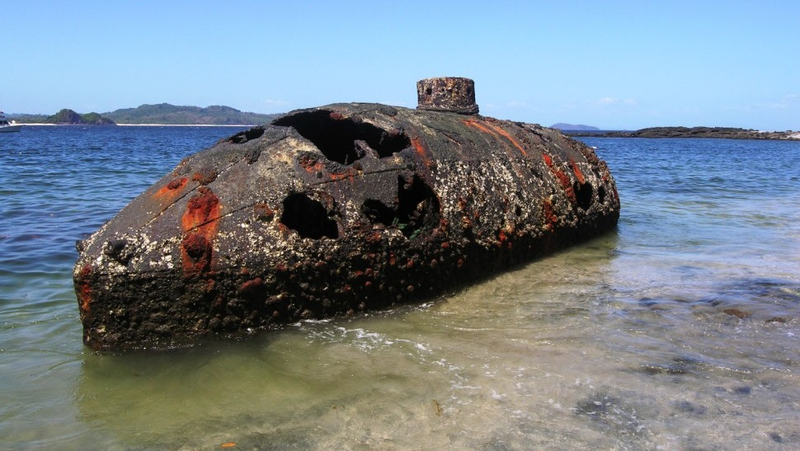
203, 208
494, 130
562, 177
568, 189
577, 171
195, 253
421, 151
374, 237
170, 191
550, 217
503, 239
507, 136
478, 126
251, 286
263, 212
205, 176
315, 169
349, 175
85, 289
199, 224
311, 165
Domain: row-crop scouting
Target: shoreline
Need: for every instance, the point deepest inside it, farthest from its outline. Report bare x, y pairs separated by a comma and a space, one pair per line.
686, 132
654, 132
35, 124
187, 125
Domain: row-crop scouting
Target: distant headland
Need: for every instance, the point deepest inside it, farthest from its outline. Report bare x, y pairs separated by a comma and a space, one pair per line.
63, 117
161, 114
217, 115
573, 127
686, 132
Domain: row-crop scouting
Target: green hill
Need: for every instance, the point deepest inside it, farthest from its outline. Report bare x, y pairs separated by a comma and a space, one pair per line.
67, 116
165, 113
63, 117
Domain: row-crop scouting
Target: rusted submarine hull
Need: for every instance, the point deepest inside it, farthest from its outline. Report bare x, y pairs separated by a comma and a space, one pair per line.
332, 211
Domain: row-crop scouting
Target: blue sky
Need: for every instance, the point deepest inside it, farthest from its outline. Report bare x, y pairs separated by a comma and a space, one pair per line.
615, 65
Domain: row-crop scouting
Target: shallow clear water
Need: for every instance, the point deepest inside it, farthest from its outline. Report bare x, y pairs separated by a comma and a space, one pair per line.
678, 331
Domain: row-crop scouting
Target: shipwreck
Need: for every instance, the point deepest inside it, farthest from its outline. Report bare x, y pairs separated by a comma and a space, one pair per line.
336, 210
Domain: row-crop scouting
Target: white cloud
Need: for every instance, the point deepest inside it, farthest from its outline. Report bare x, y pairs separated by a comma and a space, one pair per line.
607, 101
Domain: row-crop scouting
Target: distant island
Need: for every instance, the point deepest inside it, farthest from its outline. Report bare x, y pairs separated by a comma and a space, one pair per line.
578, 127
162, 113
64, 117
166, 114
688, 132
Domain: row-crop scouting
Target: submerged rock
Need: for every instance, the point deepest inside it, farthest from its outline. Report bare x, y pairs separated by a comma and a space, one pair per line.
331, 211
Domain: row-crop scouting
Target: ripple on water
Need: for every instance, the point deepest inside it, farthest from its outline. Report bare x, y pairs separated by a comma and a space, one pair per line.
679, 331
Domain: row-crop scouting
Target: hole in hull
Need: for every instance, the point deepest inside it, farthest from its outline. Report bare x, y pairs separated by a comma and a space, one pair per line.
308, 217
417, 208
583, 194
247, 135
342, 139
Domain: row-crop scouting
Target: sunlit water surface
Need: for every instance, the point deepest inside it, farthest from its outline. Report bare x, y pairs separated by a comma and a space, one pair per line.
678, 331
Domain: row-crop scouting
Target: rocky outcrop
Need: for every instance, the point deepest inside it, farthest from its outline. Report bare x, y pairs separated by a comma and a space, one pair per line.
332, 211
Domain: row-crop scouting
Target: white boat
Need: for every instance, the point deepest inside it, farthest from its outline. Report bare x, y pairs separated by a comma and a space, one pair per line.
6, 126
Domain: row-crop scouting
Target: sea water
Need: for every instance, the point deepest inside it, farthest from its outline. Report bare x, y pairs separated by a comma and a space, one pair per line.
679, 330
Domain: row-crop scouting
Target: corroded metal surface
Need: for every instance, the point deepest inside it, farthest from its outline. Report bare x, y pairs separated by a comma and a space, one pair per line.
454, 94
333, 211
